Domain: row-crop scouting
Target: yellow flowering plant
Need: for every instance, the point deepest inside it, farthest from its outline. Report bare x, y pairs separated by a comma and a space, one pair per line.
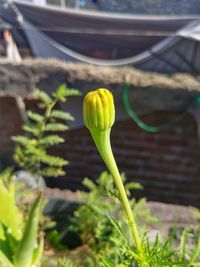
99, 117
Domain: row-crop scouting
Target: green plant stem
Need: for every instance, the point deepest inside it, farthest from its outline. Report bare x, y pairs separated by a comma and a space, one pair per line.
46, 118
41, 135
102, 141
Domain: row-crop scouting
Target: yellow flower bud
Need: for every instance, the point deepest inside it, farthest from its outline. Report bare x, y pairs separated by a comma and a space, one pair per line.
99, 110
99, 116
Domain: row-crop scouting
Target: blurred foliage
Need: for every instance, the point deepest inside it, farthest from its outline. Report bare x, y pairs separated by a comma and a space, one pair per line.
196, 212
157, 254
64, 262
41, 133
10, 215
91, 221
18, 236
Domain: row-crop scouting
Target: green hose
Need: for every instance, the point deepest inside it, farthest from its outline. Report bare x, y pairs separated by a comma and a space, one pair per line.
149, 128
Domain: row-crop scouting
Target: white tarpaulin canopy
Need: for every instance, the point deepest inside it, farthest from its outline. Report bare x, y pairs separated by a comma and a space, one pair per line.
192, 31
179, 53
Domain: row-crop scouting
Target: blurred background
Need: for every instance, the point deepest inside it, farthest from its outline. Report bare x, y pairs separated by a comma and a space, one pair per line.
147, 52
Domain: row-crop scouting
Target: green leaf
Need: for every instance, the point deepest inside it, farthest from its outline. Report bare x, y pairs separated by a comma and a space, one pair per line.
134, 185
56, 127
19, 156
73, 92
89, 184
34, 116
37, 253
24, 252
59, 114
112, 193
53, 161
9, 213
31, 128
182, 247
5, 261
106, 262
52, 171
9, 243
196, 251
117, 228
39, 152
62, 92
44, 97
55, 238
4, 242
7, 175
51, 140
20, 139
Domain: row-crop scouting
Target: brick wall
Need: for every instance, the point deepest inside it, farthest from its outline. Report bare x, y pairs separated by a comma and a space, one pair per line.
166, 163
10, 124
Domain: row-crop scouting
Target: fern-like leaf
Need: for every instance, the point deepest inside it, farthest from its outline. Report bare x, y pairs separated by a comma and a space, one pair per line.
51, 140
20, 139
44, 97
56, 127
63, 92
31, 150
53, 161
31, 128
59, 114
19, 156
34, 116
89, 184
72, 92
134, 186
52, 172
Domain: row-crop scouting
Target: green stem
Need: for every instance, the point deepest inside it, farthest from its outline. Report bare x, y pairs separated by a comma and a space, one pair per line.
102, 141
41, 126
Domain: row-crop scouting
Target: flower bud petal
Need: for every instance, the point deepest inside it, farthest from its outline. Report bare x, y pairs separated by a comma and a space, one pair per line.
99, 110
